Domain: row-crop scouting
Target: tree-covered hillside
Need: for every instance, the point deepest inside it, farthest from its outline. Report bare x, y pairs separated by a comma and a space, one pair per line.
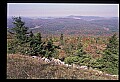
90, 52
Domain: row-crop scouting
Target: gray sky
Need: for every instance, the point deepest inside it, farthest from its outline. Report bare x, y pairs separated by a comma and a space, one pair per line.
62, 9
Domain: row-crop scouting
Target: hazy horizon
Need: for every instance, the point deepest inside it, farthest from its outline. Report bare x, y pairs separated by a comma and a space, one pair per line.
61, 9
55, 16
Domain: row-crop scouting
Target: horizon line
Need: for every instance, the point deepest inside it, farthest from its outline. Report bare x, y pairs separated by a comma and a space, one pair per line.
64, 16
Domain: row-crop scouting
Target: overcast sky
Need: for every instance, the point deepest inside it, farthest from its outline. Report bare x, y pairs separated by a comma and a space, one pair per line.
62, 9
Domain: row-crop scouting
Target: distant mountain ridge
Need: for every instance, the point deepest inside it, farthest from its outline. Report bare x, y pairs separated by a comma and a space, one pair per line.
71, 25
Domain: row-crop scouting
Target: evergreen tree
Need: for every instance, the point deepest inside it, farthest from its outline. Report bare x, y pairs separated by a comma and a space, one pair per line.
109, 61
38, 37
61, 39
80, 51
113, 45
29, 44
36, 44
84, 58
51, 49
31, 34
112, 51
19, 30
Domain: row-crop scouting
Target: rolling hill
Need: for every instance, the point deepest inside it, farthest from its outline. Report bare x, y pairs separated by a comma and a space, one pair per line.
70, 25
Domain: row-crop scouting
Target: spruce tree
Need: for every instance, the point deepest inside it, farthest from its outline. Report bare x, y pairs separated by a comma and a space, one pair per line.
113, 45
112, 51
38, 37
50, 49
80, 51
36, 44
61, 39
84, 58
20, 30
31, 34
109, 61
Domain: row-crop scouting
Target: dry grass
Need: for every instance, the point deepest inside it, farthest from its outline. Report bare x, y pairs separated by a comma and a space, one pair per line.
25, 67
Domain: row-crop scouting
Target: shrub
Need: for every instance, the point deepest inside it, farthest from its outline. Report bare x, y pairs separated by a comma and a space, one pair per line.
11, 47
72, 59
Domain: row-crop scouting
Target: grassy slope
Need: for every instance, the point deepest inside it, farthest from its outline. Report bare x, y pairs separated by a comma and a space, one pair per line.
25, 67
